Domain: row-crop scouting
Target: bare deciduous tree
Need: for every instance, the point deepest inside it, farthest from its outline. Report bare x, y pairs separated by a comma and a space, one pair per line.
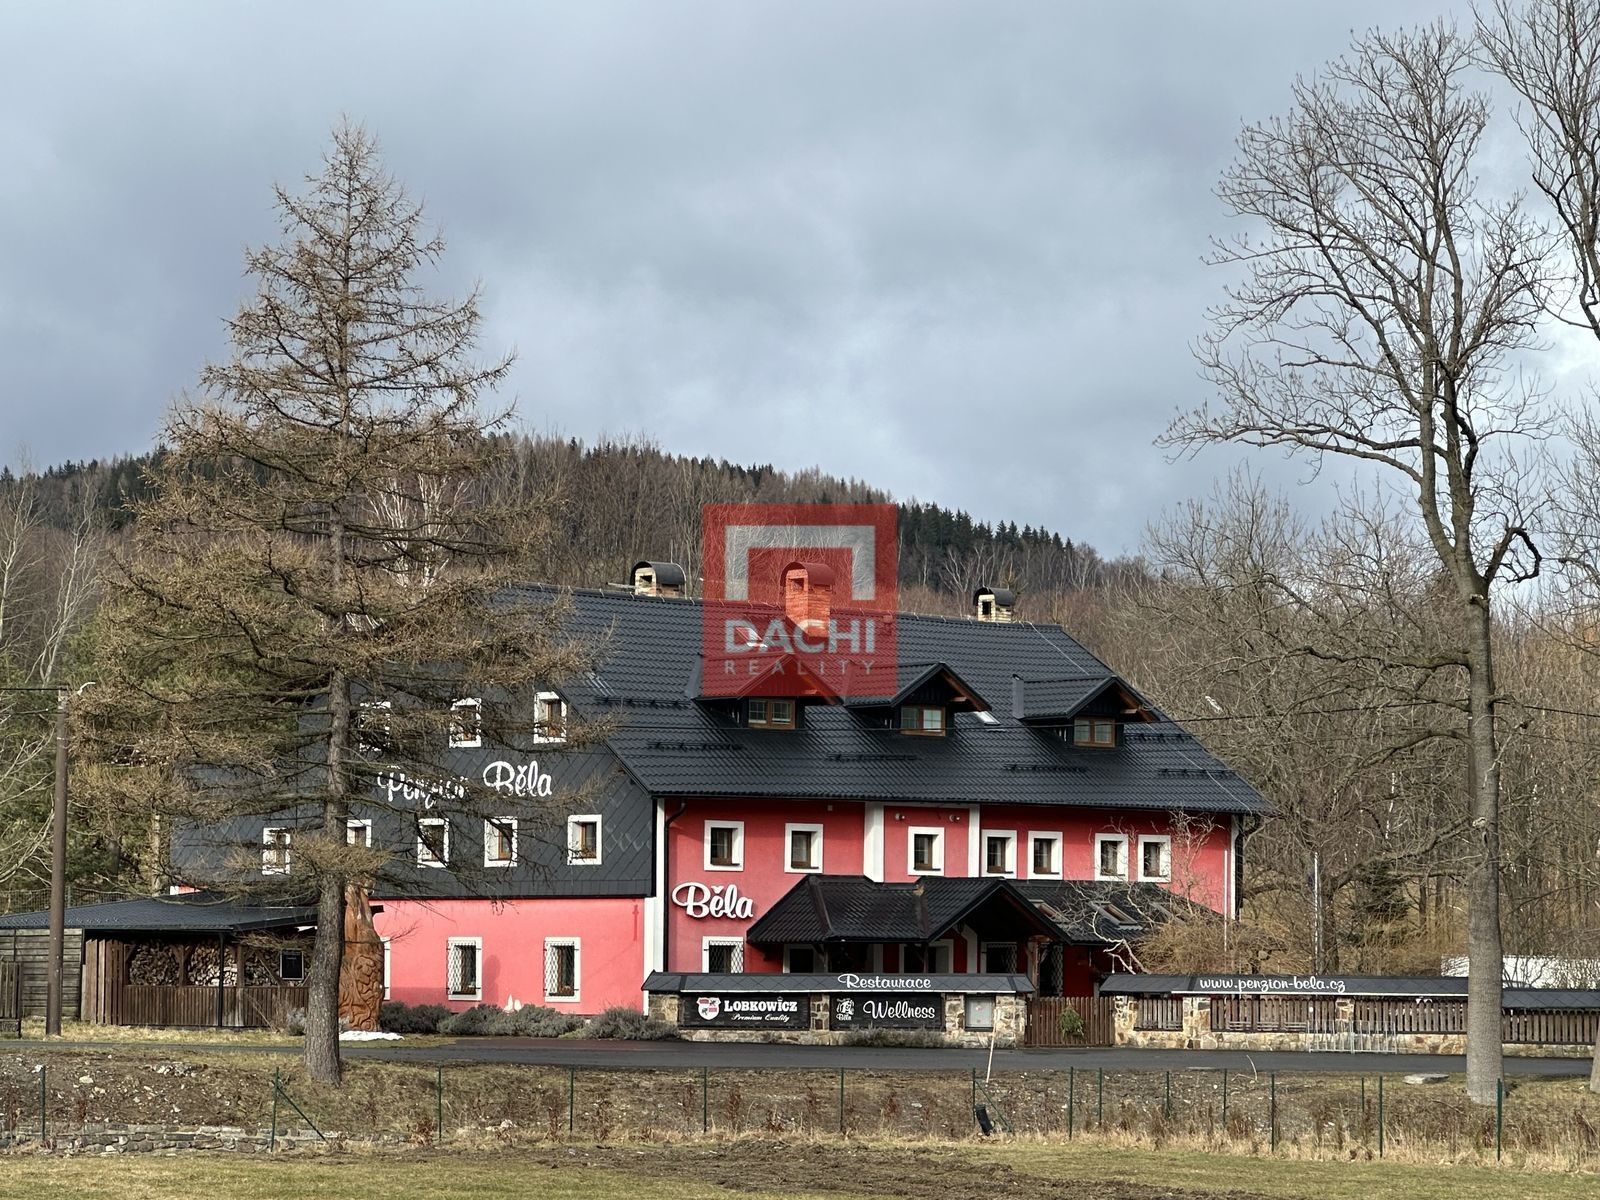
1381, 297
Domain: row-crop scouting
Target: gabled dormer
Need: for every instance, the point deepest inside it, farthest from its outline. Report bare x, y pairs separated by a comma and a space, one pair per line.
926, 696
772, 698
1087, 711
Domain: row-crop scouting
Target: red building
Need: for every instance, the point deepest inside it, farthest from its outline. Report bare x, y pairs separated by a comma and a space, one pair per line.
1013, 806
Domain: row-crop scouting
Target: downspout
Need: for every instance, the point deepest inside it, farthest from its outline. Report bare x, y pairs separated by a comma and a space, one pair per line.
1249, 825
666, 898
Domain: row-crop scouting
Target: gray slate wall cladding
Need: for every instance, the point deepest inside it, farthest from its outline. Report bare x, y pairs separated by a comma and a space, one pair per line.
583, 782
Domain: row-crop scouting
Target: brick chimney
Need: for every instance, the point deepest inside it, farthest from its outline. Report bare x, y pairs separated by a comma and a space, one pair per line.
808, 596
658, 579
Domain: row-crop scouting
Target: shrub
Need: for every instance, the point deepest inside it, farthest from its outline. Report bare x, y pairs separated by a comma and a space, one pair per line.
629, 1024
478, 1021
1071, 1023
395, 1017
533, 1020
919, 1039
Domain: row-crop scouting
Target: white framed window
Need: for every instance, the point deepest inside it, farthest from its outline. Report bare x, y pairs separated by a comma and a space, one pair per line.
724, 845
358, 831
499, 841
1044, 856
275, 850
1110, 856
549, 718
372, 724
721, 955
802, 848
292, 966
385, 942
466, 723
464, 968
925, 850
433, 841
999, 852
583, 840
563, 976
1155, 858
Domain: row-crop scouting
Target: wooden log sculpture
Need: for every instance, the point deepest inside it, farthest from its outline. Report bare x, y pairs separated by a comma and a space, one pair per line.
361, 970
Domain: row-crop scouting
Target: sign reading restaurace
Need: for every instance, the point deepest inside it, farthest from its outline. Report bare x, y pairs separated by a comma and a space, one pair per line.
886, 1010
766, 1010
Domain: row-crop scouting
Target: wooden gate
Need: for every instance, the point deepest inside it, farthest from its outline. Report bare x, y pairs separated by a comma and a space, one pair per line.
1049, 1024
10, 998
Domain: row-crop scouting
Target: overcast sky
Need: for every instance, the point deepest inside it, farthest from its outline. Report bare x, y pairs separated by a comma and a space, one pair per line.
950, 248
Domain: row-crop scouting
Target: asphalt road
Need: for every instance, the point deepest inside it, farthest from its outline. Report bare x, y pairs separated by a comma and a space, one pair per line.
599, 1055
563, 1052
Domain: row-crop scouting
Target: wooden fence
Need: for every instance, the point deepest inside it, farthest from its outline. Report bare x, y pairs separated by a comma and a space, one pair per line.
197, 1005
31, 948
1552, 1027
10, 998
1159, 1012
1045, 1023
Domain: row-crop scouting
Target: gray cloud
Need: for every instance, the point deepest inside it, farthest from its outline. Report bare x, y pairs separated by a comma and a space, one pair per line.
950, 248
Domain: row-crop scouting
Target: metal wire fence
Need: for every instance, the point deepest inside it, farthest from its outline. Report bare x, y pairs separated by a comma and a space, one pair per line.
1348, 1116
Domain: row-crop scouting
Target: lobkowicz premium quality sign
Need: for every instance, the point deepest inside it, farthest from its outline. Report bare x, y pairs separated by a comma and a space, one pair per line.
744, 1010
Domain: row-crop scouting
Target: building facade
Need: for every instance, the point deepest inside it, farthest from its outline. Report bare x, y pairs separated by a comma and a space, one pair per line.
1007, 804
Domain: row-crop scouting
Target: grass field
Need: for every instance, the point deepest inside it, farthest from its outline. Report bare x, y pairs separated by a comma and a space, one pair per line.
758, 1169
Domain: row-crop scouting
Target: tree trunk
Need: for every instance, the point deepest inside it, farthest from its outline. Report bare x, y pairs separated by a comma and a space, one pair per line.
1484, 961
321, 1050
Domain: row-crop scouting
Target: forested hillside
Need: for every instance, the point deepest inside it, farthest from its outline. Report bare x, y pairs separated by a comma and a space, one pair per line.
1357, 760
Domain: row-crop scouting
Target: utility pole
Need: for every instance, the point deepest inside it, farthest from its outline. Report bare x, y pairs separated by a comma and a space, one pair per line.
58, 874
1316, 906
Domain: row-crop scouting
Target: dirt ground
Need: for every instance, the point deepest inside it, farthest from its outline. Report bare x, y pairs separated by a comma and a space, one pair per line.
930, 1174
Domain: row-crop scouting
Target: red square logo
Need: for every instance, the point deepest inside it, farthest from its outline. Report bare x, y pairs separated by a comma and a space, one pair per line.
799, 599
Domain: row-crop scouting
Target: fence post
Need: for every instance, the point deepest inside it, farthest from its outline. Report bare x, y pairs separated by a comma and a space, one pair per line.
572, 1087
1272, 1086
272, 1138
438, 1108
1100, 1100
1166, 1104
1070, 1097
1224, 1101
841, 1100
43, 1070
1380, 1116
705, 1099
1499, 1114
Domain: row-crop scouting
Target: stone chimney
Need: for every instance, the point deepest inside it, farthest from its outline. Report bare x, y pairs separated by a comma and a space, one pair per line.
658, 579
994, 603
808, 596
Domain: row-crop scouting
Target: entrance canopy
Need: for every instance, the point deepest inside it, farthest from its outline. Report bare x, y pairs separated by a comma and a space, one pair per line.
835, 909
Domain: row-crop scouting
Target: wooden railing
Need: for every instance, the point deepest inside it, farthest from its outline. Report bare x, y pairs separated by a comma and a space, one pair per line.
1045, 1024
196, 1005
1159, 1012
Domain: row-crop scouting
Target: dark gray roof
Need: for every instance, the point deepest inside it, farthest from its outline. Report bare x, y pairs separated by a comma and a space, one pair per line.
1060, 699
1396, 986
1094, 913
853, 908
675, 981
191, 912
675, 745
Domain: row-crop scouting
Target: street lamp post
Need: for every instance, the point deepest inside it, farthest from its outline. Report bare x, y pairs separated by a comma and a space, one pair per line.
58, 875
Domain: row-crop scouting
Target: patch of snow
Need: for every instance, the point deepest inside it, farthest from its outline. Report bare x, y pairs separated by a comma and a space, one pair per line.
368, 1035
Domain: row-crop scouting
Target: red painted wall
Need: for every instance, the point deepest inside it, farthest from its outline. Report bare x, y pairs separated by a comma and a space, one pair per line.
762, 878
1199, 854
610, 959
898, 821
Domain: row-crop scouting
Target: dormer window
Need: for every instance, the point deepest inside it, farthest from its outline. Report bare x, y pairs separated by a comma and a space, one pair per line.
769, 714
925, 720
1100, 732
